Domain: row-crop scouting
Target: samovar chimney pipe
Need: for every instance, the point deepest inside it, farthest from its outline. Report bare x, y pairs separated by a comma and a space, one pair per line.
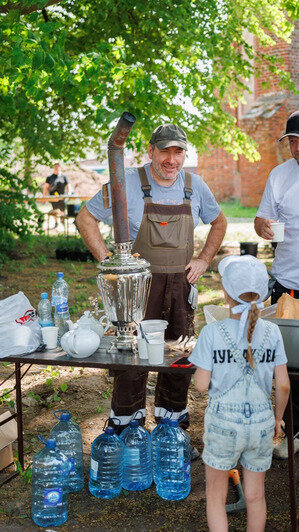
117, 177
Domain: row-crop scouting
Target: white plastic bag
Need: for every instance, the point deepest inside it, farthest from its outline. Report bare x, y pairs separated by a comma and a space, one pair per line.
20, 331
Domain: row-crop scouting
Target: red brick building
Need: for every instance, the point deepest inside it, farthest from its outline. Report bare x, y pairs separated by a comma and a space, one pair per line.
263, 118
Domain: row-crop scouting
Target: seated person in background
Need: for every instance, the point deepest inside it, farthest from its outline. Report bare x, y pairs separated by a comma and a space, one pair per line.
56, 183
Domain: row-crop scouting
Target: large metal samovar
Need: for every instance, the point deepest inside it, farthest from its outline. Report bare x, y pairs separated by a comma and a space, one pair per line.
124, 279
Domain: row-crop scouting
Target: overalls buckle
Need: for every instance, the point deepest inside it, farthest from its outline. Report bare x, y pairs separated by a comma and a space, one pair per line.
188, 192
146, 189
247, 410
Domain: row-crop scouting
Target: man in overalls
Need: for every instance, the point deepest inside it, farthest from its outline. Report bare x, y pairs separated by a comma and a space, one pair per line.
164, 205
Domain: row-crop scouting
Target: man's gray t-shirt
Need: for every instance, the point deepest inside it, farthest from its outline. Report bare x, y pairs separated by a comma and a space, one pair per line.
203, 203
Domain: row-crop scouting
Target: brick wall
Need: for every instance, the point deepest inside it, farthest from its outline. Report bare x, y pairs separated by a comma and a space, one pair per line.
264, 120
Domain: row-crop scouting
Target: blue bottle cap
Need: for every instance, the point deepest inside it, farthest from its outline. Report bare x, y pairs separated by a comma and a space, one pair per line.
44, 295
51, 444
109, 430
64, 416
173, 423
59, 275
134, 423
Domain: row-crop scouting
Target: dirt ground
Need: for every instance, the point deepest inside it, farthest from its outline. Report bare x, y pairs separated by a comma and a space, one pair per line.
86, 393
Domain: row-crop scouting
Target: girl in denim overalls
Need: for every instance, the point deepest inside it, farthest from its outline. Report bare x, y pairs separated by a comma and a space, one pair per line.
239, 420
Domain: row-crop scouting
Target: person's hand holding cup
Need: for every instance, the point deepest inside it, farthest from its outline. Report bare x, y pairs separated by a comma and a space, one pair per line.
272, 230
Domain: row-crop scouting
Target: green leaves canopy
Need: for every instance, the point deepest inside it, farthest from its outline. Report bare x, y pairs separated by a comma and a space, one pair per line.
68, 71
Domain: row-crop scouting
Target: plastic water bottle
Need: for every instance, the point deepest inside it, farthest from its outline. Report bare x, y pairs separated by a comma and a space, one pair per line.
49, 499
45, 311
173, 478
60, 291
59, 300
137, 474
162, 427
106, 465
69, 441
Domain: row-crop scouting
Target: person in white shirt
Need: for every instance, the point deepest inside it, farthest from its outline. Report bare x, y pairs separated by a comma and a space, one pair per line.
280, 203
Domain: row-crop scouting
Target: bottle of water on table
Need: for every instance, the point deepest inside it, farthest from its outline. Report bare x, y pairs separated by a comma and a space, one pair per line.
44, 311
106, 465
173, 474
49, 499
69, 441
59, 300
137, 474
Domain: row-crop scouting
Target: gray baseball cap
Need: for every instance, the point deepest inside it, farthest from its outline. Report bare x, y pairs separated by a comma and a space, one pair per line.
169, 135
292, 128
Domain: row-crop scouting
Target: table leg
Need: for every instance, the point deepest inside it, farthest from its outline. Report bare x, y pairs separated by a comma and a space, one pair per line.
19, 414
291, 463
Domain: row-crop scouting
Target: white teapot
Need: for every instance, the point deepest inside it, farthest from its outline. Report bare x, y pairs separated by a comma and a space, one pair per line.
80, 342
95, 325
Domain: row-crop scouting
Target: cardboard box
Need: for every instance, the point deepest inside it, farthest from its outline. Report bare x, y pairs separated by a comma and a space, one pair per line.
8, 434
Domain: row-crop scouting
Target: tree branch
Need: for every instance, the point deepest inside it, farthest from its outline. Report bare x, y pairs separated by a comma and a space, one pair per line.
25, 10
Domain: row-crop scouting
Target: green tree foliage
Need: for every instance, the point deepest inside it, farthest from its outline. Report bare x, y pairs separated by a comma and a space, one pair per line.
67, 71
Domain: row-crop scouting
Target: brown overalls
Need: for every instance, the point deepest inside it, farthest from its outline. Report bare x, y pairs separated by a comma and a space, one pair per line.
165, 239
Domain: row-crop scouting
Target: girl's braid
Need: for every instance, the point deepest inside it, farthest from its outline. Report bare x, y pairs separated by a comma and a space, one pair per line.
253, 317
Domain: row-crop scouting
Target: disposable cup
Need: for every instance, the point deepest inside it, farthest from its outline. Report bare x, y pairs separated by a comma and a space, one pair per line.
50, 335
278, 230
142, 349
155, 349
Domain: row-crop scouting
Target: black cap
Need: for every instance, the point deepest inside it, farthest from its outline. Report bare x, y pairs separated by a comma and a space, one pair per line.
292, 126
169, 135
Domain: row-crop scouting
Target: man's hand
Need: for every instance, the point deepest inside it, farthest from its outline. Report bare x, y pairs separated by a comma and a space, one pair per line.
263, 228
196, 267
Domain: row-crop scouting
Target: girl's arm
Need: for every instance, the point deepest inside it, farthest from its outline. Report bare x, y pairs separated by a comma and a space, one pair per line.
282, 391
202, 378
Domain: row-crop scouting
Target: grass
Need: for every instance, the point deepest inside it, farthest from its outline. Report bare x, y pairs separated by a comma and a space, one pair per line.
234, 209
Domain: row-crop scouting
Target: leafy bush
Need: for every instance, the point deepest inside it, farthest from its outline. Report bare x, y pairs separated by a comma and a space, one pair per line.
19, 216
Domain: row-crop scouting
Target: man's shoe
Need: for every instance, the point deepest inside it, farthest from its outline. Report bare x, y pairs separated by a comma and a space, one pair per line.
194, 454
280, 451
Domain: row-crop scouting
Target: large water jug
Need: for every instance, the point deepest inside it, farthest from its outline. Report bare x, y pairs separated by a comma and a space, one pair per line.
173, 478
49, 499
106, 465
161, 427
69, 440
137, 473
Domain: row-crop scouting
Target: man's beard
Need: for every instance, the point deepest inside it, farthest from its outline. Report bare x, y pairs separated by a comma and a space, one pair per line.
160, 173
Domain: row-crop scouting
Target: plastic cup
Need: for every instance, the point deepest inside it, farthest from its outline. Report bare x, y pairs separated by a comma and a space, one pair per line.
50, 335
278, 230
155, 349
142, 348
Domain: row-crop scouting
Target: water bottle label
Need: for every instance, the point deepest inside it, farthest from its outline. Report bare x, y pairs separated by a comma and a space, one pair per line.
132, 456
45, 323
52, 496
187, 469
72, 464
94, 466
56, 300
62, 307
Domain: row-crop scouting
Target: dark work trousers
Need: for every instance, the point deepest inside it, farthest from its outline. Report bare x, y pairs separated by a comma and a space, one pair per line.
168, 299
278, 290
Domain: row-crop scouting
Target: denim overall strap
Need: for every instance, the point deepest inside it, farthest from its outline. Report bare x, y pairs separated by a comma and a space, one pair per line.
248, 373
